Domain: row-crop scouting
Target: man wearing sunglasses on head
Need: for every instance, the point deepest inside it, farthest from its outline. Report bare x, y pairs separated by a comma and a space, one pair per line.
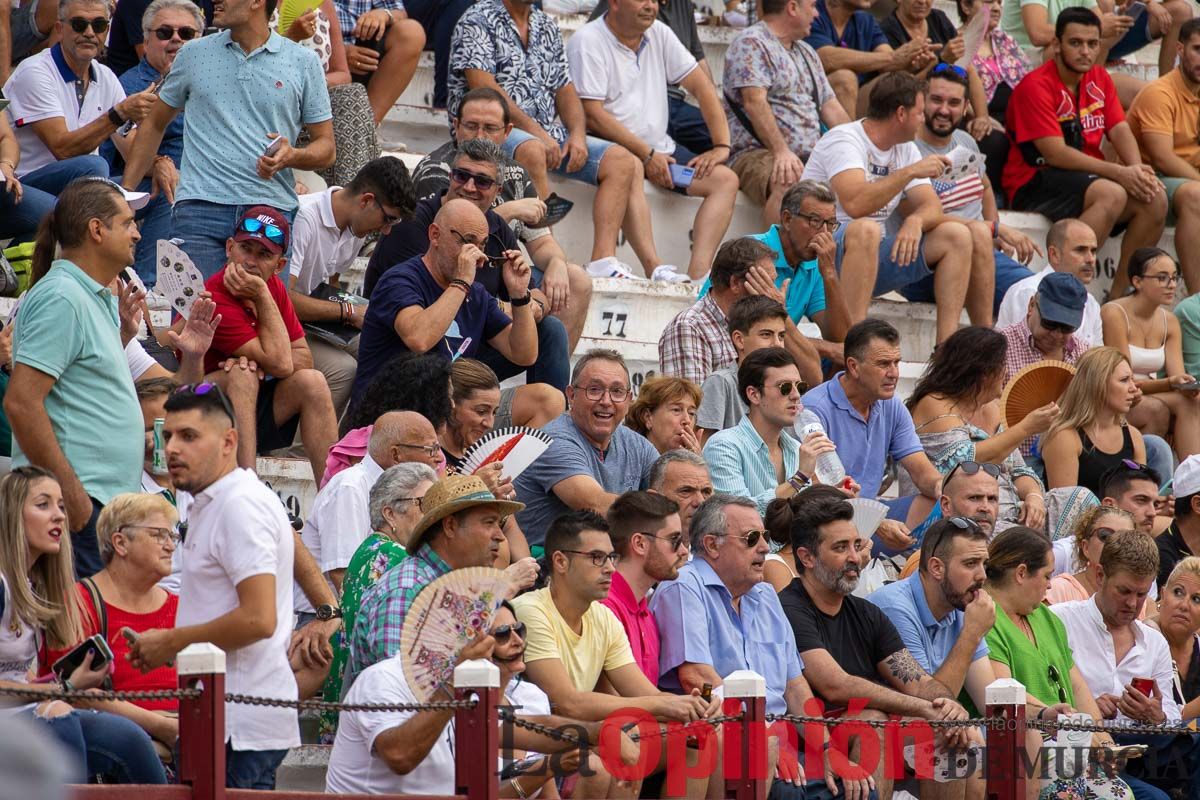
972, 490
65, 104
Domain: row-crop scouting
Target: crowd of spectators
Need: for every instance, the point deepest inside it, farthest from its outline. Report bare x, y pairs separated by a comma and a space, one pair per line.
676, 528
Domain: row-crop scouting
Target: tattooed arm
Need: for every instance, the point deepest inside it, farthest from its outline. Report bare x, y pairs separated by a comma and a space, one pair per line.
903, 672
838, 688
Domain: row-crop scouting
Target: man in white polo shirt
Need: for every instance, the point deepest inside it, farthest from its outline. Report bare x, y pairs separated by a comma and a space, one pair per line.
65, 103
327, 236
238, 545
622, 64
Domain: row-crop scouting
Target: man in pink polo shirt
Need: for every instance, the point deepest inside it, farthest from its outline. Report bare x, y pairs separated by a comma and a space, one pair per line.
647, 534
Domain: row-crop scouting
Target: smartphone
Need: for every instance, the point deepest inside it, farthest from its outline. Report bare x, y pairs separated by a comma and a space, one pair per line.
101, 656
1194, 386
681, 175
273, 146
1143, 685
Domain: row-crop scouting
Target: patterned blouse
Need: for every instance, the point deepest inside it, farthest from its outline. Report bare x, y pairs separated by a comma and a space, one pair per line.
1006, 64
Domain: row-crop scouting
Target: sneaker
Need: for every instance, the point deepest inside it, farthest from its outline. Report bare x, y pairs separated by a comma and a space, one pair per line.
610, 267
666, 273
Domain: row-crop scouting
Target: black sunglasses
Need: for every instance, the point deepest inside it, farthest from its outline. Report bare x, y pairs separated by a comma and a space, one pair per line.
164, 33
971, 468
676, 539
462, 176
751, 538
1056, 679
505, 632
81, 24
962, 523
1058, 327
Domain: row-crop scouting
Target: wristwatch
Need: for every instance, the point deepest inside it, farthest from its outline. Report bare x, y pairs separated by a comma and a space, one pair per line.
327, 612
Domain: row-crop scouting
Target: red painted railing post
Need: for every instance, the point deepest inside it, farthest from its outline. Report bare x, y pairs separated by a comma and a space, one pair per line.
750, 782
202, 721
1006, 740
476, 734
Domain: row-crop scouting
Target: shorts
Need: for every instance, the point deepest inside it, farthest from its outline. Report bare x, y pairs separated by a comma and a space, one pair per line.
590, 173
890, 276
268, 435
504, 410
1054, 193
1134, 39
753, 169
1172, 185
25, 35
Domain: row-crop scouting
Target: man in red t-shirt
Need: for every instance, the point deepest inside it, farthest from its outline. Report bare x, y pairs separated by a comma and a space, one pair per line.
1057, 117
259, 322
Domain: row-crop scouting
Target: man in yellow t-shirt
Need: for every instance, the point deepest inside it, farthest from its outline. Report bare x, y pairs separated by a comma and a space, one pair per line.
1165, 119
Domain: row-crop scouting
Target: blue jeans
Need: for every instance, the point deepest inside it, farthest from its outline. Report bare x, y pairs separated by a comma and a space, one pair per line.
685, 124
1008, 272
53, 178
19, 221
438, 18
251, 769
105, 744
155, 219
1171, 762
1159, 456
204, 227
553, 365
588, 173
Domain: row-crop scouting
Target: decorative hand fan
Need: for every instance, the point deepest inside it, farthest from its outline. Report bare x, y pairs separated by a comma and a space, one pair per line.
973, 32
443, 619
516, 447
1034, 387
291, 10
178, 279
868, 514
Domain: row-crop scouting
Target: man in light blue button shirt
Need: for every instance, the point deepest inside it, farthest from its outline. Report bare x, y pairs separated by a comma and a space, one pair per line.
241, 88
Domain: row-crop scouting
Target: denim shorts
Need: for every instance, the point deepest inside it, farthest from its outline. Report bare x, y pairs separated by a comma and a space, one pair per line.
891, 276
590, 173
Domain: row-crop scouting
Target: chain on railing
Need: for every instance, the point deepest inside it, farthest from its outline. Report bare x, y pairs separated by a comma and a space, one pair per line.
1165, 728
99, 695
508, 715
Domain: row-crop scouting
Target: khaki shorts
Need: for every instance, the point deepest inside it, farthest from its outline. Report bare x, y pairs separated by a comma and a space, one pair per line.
753, 169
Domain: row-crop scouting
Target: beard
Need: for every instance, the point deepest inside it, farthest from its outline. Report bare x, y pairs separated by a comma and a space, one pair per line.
935, 124
959, 600
840, 582
662, 568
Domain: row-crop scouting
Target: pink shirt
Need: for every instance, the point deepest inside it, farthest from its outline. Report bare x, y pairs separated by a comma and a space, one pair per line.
639, 624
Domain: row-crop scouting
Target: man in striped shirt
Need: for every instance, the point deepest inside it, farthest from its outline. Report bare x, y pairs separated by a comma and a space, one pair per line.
965, 191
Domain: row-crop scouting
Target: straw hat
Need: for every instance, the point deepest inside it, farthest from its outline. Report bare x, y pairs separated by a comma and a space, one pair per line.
452, 494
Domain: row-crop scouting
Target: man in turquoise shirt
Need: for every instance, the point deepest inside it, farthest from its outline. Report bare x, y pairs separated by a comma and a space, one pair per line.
70, 400
242, 88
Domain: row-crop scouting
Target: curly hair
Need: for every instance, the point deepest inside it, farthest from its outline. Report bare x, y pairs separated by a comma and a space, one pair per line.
409, 382
1085, 524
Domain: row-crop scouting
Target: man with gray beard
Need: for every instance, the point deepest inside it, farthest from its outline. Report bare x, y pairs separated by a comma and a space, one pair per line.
850, 649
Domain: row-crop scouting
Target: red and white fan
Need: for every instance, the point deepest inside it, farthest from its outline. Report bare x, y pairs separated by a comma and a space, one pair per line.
516, 448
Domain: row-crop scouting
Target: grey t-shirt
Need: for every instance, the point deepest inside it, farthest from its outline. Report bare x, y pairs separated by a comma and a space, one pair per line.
720, 407
962, 197
623, 467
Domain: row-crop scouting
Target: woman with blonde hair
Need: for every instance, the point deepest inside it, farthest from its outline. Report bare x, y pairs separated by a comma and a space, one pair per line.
665, 413
1091, 434
38, 602
1179, 621
1081, 579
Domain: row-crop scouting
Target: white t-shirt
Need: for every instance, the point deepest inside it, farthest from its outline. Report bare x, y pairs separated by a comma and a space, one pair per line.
1015, 306
632, 85
43, 87
183, 504
847, 147
237, 529
319, 249
339, 520
139, 360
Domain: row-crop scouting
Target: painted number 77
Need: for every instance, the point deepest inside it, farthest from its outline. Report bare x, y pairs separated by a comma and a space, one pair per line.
613, 319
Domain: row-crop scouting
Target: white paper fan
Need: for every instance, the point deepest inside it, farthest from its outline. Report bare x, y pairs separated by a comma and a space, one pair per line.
867, 515
178, 279
516, 448
443, 619
973, 32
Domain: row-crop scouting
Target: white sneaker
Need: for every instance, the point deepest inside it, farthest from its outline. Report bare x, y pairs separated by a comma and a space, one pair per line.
666, 273
610, 267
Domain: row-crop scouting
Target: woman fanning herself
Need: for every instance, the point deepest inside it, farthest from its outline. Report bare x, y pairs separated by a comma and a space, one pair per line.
1140, 326
38, 601
1092, 435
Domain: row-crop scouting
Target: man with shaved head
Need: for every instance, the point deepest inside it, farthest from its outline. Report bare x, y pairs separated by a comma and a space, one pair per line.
433, 303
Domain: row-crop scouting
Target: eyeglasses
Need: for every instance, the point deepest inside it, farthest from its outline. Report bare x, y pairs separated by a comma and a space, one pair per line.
971, 468
388, 219
751, 538
475, 127
618, 394
81, 24
431, 450
505, 632
786, 387
1056, 679
273, 233
463, 177
598, 557
165, 32
204, 388
818, 222
160, 535
1163, 278
463, 241
954, 68
1058, 327
676, 539
962, 523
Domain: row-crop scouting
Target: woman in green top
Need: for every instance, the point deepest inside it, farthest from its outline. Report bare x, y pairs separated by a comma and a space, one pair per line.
1028, 643
395, 509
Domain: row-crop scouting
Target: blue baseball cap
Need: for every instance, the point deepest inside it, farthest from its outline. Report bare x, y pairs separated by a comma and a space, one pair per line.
1061, 298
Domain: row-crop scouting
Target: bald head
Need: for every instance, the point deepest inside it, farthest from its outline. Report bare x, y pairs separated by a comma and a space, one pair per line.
399, 437
1071, 247
458, 223
463, 216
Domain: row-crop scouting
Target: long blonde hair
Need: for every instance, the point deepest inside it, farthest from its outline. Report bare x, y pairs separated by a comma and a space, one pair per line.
45, 597
1087, 392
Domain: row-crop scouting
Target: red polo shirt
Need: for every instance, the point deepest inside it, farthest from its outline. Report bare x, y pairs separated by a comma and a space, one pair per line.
239, 323
640, 626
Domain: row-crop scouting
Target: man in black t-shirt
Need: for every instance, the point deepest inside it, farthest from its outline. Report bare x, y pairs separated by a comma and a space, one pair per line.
850, 649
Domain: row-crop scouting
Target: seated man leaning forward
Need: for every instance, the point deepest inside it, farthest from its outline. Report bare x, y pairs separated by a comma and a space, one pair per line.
893, 233
259, 322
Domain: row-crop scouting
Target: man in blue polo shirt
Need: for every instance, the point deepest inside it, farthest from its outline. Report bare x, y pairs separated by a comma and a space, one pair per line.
246, 89
868, 423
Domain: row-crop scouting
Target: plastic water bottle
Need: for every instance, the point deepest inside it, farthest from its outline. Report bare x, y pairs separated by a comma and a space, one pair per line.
829, 467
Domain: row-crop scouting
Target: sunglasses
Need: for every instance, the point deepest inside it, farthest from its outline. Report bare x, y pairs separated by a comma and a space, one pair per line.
505, 632
388, 219
204, 388
962, 523
463, 241
462, 177
675, 539
81, 24
273, 233
954, 68
1129, 463
1056, 679
164, 33
786, 387
751, 538
971, 468
1058, 327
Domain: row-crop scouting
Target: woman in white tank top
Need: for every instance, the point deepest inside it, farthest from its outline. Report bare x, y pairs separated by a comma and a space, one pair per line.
1140, 326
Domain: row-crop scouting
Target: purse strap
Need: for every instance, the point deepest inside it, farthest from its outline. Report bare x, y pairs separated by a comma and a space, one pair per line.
98, 603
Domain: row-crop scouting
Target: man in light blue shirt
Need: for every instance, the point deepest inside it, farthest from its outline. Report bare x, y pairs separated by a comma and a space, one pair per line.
242, 88
755, 458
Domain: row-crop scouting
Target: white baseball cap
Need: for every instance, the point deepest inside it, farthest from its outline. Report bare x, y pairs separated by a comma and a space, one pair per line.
1187, 477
